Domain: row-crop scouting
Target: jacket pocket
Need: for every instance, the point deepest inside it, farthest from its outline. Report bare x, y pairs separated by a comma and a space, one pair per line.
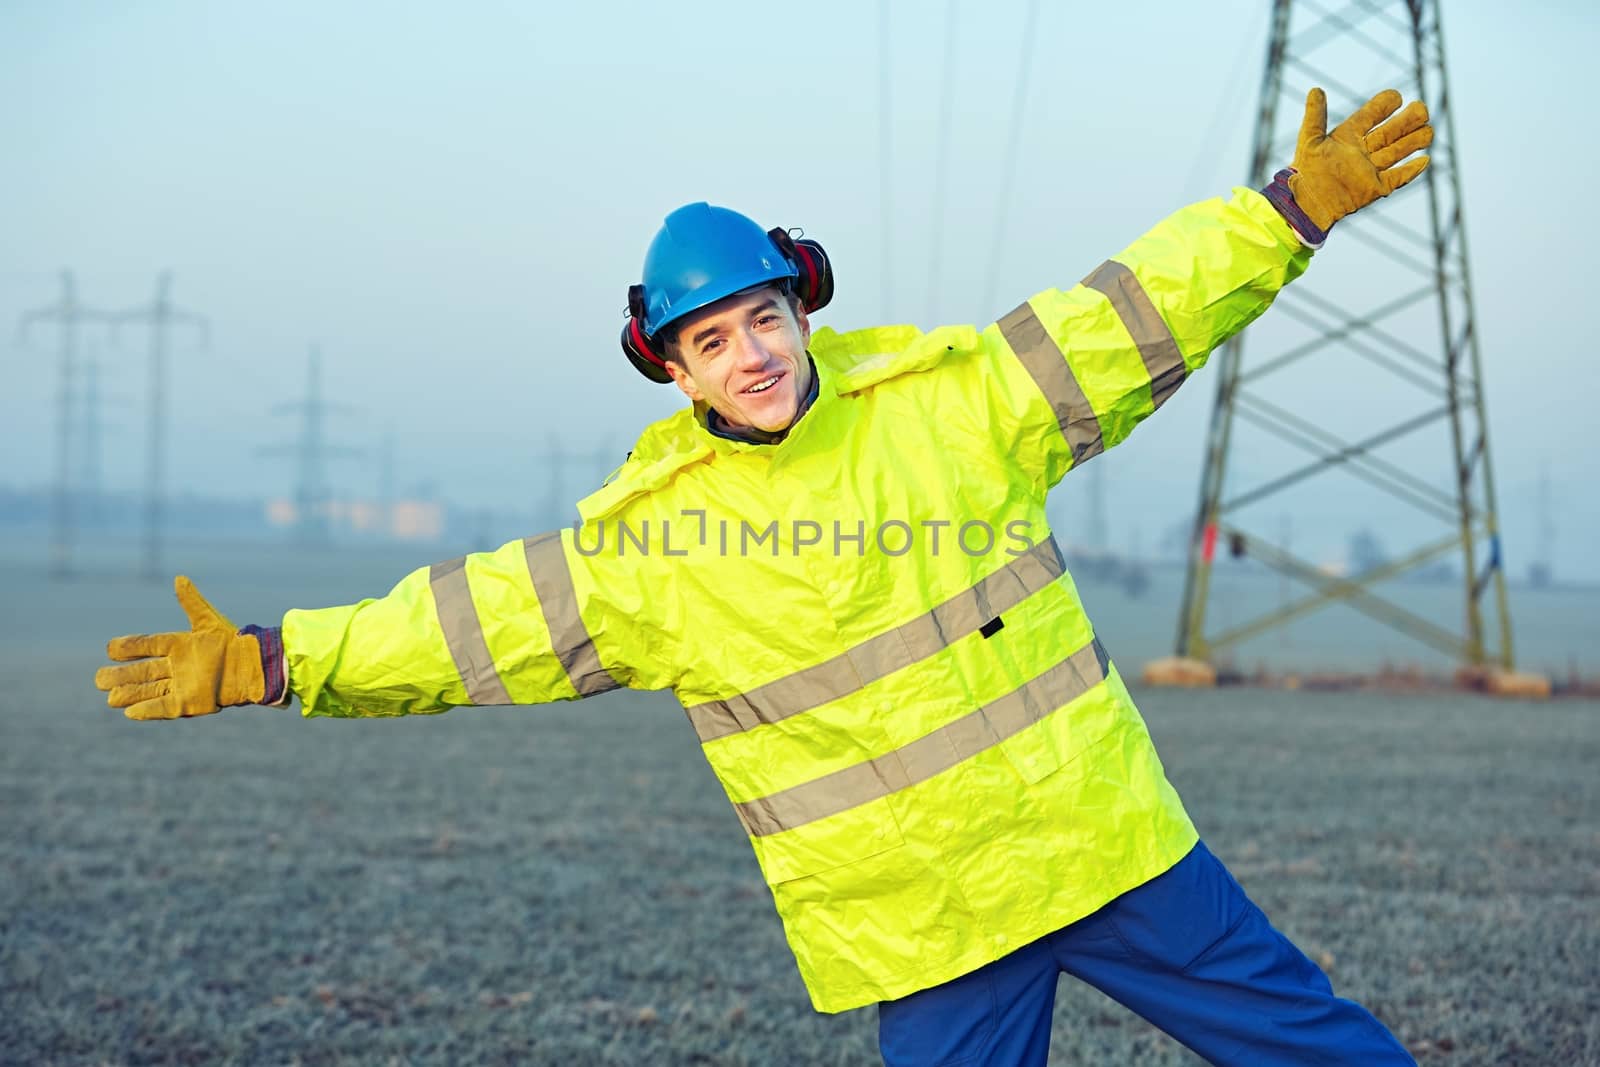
1064, 737
836, 841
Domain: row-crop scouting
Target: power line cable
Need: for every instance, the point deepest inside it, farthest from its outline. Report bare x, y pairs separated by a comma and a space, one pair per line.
942, 163
1229, 104
1008, 173
885, 156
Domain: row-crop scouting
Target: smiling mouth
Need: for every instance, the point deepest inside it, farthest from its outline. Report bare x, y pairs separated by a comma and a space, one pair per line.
763, 386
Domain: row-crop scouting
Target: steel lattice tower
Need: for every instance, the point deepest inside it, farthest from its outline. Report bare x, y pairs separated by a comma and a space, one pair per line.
1344, 382
69, 314
161, 315
312, 498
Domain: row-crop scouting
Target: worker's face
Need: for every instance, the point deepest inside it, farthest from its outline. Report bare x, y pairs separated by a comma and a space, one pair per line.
745, 356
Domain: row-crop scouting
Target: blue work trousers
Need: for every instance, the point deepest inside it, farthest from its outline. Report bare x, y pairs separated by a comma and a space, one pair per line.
1187, 950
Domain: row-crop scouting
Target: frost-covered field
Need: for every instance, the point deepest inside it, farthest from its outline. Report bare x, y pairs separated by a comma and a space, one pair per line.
567, 885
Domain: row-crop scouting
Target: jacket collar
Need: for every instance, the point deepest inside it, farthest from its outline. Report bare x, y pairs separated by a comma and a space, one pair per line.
844, 364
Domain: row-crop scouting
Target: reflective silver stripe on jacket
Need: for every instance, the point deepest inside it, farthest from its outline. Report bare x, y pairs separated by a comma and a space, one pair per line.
463, 632
1042, 359
931, 754
877, 657
1138, 313
558, 600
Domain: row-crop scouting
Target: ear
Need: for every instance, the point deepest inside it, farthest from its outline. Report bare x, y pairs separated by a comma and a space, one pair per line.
804, 321
684, 382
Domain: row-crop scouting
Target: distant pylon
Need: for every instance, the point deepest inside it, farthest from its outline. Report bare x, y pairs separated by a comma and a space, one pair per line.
69, 314
386, 523
89, 481
160, 315
1098, 533
1415, 328
312, 499
1542, 571
604, 461
571, 475
555, 462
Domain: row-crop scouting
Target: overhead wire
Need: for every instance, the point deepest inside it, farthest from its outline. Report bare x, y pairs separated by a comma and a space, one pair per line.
1207, 161
885, 157
942, 161
1008, 171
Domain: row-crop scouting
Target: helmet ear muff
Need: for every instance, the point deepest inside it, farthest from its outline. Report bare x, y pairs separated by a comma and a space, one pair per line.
817, 270
642, 350
814, 282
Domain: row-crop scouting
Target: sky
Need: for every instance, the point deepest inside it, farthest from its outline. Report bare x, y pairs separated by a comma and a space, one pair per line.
450, 201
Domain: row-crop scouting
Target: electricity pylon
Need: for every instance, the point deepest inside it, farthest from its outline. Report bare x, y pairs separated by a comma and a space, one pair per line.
570, 475
1541, 571
1408, 365
69, 314
90, 487
161, 315
386, 485
311, 453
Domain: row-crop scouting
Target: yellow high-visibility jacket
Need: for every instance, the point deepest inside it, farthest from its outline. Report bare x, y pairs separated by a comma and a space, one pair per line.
868, 623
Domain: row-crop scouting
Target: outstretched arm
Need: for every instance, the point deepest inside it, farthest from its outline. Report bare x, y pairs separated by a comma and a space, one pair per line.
513, 626
1110, 351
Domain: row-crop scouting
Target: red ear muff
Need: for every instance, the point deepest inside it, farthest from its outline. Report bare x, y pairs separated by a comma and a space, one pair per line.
640, 347
816, 271
806, 282
637, 346
815, 282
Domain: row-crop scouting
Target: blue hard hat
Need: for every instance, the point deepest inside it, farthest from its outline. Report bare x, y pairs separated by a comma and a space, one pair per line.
702, 254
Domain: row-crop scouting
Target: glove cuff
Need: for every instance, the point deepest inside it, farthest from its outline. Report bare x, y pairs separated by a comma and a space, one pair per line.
274, 665
1282, 198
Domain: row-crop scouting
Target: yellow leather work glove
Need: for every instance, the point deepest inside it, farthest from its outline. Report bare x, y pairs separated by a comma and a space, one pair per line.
1360, 161
195, 672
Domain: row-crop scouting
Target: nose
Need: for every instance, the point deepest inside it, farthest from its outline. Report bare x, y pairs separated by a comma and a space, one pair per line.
752, 352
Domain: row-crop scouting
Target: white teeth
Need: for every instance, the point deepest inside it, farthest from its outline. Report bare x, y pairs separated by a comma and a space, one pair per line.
763, 386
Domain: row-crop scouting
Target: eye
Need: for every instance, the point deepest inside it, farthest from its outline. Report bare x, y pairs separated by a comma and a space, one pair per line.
765, 320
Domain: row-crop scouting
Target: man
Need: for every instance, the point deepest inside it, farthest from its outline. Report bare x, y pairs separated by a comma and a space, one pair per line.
837, 558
